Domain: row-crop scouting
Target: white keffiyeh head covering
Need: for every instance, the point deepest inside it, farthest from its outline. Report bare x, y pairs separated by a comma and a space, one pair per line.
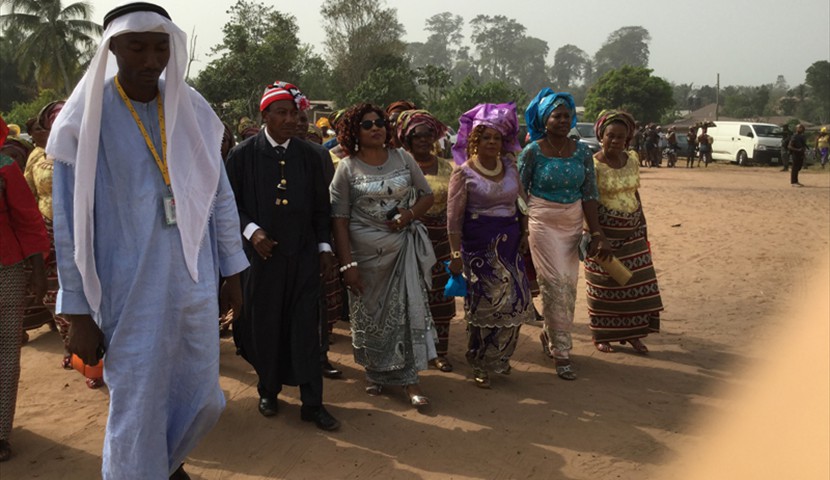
193, 145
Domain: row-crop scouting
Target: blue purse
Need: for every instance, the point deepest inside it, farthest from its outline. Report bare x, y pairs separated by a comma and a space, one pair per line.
456, 285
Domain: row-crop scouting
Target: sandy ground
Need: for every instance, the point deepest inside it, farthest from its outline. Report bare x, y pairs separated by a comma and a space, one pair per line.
737, 251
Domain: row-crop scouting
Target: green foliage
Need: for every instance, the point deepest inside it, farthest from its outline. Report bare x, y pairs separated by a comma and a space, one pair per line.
260, 46
14, 86
385, 85
506, 54
21, 112
434, 82
746, 102
440, 48
818, 79
570, 64
364, 40
632, 89
470, 93
54, 41
626, 46
496, 39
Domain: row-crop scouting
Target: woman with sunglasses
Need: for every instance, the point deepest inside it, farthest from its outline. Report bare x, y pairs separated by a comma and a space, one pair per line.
385, 254
488, 233
417, 132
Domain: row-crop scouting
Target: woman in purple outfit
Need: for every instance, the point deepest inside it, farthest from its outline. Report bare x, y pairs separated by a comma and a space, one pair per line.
487, 232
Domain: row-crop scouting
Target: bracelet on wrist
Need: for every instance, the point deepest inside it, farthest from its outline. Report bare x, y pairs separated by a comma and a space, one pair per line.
347, 266
595, 234
455, 254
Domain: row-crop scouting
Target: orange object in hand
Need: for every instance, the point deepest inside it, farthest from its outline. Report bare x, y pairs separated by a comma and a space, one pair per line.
96, 371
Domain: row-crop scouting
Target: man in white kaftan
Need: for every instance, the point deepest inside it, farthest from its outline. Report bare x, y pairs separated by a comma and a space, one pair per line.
149, 282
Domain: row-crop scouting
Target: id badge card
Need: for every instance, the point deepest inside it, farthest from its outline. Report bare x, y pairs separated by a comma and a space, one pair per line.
169, 210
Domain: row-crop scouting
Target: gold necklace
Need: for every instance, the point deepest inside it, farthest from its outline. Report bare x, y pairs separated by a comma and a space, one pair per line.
486, 171
558, 150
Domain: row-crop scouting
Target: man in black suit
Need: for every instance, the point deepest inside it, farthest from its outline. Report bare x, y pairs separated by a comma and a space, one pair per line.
283, 201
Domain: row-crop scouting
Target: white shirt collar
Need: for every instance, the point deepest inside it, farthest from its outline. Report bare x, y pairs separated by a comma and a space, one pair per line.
274, 142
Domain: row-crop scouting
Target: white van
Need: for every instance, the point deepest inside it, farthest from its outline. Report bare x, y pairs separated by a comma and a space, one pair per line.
746, 142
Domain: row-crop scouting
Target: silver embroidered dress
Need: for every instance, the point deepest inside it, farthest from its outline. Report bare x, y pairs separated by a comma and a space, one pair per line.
392, 330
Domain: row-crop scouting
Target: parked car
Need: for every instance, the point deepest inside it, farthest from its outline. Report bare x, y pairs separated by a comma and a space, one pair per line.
584, 133
746, 142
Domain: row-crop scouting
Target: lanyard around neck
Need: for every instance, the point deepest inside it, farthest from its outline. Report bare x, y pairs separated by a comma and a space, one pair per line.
161, 161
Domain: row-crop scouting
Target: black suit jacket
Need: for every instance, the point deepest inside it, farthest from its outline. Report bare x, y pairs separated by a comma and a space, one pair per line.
254, 173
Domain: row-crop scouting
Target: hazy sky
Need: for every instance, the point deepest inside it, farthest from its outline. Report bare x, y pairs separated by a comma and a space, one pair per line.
747, 42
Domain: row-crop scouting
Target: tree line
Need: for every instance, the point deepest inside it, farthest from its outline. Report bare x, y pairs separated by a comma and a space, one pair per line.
46, 45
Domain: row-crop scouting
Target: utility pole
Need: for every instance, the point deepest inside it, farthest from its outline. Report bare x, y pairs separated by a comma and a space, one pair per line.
717, 98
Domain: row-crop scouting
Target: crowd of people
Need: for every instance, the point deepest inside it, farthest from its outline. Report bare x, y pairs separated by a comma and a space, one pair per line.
652, 143
141, 220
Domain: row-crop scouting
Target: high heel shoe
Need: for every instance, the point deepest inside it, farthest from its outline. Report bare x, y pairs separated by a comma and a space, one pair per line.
417, 400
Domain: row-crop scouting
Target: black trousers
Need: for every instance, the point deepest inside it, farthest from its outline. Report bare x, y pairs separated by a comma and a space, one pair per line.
798, 162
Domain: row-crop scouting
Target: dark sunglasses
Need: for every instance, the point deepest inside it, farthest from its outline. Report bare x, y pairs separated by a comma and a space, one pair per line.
422, 136
367, 124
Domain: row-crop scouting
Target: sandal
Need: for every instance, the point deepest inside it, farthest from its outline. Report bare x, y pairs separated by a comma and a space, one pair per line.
66, 363
481, 378
637, 345
543, 337
374, 389
95, 382
566, 370
604, 347
441, 363
417, 400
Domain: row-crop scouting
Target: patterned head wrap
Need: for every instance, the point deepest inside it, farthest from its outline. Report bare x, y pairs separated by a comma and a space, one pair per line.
246, 128
400, 105
22, 147
540, 108
14, 130
607, 117
409, 119
48, 114
499, 116
283, 91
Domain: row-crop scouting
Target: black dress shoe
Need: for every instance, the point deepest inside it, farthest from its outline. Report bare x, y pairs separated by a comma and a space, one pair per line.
268, 407
329, 371
320, 416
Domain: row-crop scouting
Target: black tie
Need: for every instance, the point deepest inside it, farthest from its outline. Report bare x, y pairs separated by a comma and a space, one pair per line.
280, 150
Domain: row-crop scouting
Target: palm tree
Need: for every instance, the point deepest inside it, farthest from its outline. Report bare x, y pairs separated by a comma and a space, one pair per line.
55, 39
